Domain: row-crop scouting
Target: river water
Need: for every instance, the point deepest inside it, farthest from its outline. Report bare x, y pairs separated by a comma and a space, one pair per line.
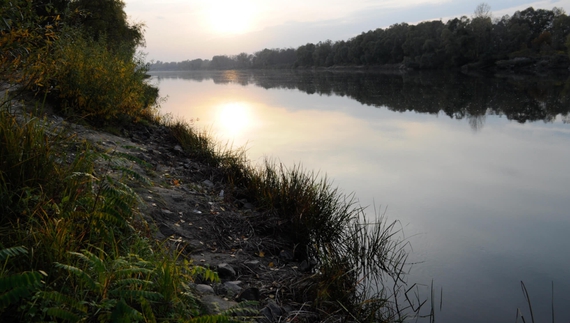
475, 169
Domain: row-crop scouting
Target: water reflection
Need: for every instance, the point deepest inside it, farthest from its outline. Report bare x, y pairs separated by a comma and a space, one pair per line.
483, 210
455, 95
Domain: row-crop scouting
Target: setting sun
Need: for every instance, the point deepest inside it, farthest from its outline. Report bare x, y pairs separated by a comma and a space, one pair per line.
230, 17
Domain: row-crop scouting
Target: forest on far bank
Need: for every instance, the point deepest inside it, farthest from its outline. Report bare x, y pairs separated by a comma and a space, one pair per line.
529, 39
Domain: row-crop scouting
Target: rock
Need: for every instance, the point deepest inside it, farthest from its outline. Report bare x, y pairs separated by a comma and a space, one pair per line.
286, 256
204, 289
251, 264
226, 271
178, 148
249, 294
215, 304
208, 183
233, 287
271, 312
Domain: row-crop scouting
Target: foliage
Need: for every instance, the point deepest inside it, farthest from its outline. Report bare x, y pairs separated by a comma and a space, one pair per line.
480, 41
93, 82
14, 286
25, 38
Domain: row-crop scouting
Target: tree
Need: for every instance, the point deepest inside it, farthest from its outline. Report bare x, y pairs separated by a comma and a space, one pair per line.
483, 10
107, 19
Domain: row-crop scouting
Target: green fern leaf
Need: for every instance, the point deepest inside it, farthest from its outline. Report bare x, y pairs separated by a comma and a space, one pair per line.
137, 294
123, 313
84, 277
147, 311
25, 280
210, 319
132, 282
62, 314
62, 299
12, 252
135, 271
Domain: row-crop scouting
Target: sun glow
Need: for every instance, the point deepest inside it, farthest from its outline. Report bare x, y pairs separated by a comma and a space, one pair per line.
234, 118
230, 16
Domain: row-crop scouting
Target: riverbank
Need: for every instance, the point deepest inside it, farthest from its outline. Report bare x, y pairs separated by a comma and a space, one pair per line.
280, 237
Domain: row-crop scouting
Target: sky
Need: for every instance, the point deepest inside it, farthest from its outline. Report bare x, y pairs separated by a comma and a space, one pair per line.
178, 30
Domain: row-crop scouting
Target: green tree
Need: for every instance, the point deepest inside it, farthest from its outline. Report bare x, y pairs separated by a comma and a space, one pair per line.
107, 19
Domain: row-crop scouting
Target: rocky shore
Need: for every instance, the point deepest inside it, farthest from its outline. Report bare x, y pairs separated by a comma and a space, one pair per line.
189, 208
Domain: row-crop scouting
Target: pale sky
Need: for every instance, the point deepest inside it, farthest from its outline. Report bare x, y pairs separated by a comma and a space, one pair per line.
178, 30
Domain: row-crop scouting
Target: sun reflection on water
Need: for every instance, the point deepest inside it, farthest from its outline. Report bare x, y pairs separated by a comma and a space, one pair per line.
234, 118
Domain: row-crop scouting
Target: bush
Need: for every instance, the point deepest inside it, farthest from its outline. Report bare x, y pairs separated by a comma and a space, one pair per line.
93, 82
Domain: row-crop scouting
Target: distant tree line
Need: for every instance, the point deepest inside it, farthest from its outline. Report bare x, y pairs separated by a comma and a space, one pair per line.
529, 37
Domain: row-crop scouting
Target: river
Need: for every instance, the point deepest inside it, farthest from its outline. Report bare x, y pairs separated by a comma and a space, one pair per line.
475, 169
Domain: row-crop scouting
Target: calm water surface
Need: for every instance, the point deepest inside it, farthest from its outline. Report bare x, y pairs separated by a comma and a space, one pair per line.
477, 170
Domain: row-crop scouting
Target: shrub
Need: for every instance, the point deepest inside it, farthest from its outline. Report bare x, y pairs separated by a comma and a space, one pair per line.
93, 82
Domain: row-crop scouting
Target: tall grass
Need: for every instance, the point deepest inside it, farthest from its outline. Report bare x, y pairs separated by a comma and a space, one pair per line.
360, 262
68, 241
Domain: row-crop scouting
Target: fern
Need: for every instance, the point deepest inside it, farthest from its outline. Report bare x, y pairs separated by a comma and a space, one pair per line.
14, 287
205, 273
12, 252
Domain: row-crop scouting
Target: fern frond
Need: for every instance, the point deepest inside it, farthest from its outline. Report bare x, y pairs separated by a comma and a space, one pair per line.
63, 299
95, 262
83, 276
132, 282
133, 159
62, 314
133, 271
210, 319
27, 279
205, 273
147, 311
137, 294
12, 252
109, 215
243, 309
13, 295
124, 313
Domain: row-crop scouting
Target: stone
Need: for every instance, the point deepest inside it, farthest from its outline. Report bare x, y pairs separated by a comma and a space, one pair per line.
286, 255
251, 264
233, 287
249, 294
226, 271
215, 305
271, 312
204, 289
208, 183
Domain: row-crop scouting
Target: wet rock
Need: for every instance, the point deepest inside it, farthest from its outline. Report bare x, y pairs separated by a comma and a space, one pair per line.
226, 271
249, 294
